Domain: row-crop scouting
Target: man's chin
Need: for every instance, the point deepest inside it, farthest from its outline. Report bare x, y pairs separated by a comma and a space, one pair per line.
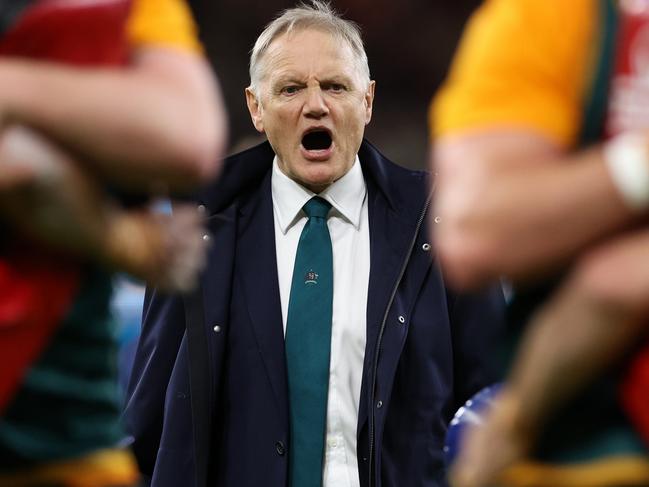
315, 183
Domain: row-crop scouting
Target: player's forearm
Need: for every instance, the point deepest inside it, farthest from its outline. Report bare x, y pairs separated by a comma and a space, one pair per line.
520, 217
597, 315
159, 123
569, 346
47, 196
54, 202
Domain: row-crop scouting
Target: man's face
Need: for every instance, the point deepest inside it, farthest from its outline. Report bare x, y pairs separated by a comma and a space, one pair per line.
313, 106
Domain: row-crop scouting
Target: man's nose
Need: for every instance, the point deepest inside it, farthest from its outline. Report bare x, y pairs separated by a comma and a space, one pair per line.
315, 105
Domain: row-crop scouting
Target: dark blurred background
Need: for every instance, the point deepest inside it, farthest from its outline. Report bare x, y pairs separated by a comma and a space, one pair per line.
409, 45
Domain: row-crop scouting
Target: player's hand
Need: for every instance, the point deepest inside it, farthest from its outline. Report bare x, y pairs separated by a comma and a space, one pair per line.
490, 447
167, 251
185, 248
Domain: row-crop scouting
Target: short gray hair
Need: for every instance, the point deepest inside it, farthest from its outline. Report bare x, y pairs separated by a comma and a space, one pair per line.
317, 15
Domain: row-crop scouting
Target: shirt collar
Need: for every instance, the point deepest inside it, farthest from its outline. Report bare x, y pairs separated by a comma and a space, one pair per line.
345, 195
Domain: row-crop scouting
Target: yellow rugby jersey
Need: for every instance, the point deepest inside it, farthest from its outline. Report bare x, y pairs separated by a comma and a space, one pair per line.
162, 22
544, 65
522, 63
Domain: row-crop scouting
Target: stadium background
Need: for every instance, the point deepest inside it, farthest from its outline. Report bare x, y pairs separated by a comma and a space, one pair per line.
409, 45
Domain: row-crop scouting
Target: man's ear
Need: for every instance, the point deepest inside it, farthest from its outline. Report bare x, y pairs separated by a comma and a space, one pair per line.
369, 101
255, 109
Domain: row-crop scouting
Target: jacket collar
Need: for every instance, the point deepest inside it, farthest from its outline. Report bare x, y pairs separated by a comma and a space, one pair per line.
243, 173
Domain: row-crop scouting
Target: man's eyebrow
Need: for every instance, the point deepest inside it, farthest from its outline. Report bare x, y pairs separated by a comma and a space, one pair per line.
338, 79
287, 78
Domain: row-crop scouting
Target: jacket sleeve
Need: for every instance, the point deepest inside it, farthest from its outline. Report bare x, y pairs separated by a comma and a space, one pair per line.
478, 325
163, 327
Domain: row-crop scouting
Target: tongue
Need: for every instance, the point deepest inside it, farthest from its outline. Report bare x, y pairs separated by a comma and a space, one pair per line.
316, 141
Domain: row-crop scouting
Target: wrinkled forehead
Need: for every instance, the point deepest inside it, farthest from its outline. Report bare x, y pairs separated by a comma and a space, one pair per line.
308, 49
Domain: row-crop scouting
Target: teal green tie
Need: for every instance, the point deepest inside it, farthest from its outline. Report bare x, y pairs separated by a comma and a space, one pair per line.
308, 345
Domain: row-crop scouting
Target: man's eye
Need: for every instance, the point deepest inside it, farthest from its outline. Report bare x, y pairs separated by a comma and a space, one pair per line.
290, 90
336, 87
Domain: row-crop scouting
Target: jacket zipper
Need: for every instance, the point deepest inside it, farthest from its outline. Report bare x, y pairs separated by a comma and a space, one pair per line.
375, 364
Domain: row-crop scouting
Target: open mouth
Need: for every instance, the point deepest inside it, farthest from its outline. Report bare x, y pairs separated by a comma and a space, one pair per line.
318, 139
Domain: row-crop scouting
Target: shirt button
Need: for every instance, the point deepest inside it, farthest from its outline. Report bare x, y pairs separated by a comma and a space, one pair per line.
437, 219
379, 404
332, 443
280, 448
206, 237
402, 320
425, 247
217, 329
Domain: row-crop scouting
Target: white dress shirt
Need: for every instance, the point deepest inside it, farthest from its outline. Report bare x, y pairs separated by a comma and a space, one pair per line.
350, 239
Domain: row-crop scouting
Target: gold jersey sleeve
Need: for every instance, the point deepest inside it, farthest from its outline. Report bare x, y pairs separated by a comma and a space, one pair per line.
521, 64
166, 23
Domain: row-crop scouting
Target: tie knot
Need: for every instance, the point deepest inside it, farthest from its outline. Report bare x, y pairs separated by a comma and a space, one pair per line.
317, 207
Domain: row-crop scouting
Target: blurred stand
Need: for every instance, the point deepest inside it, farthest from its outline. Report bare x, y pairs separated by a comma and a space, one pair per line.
409, 45
127, 310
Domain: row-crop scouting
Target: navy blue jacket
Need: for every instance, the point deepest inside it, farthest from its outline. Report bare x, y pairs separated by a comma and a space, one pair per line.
208, 396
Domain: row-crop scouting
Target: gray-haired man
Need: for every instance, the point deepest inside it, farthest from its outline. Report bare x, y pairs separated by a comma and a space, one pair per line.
323, 348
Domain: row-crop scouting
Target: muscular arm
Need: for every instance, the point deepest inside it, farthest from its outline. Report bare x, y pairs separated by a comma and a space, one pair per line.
47, 196
512, 197
511, 203
159, 122
598, 314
